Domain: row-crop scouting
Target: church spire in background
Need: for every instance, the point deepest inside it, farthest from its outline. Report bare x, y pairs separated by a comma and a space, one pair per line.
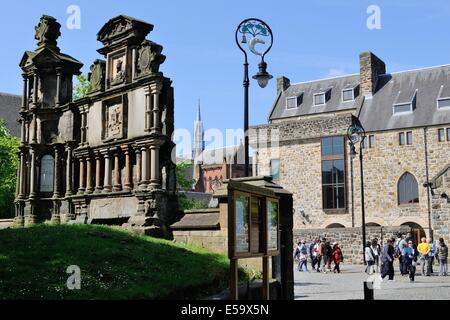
199, 143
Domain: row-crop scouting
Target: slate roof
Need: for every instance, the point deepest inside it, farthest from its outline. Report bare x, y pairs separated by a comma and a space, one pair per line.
308, 89
424, 86
377, 113
9, 110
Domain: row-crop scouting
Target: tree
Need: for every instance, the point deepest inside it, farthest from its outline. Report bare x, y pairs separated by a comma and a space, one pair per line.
81, 89
8, 169
183, 185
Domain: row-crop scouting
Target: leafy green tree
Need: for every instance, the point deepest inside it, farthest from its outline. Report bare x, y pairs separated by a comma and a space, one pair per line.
185, 184
8, 170
81, 88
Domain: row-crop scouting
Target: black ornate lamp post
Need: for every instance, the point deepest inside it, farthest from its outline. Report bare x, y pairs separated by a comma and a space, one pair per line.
355, 134
257, 30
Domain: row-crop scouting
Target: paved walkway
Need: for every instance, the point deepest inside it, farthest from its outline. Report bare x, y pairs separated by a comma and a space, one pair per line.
348, 285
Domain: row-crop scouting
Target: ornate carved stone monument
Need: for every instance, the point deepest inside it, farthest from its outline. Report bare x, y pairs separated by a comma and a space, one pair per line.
105, 157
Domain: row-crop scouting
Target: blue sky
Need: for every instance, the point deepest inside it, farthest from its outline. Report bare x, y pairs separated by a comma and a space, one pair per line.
312, 39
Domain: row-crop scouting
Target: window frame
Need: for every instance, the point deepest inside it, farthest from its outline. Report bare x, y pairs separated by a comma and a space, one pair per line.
409, 138
444, 133
442, 99
291, 98
324, 99
400, 135
334, 157
414, 183
353, 94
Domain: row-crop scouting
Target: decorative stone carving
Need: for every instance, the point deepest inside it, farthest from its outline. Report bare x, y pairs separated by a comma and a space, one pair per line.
47, 32
97, 76
114, 122
118, 71
149, 58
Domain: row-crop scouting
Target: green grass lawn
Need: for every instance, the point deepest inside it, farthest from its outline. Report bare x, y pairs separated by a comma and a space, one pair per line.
115, 264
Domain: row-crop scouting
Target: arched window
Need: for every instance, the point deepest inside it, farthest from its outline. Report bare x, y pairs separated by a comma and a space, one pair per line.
47, 170
408, 190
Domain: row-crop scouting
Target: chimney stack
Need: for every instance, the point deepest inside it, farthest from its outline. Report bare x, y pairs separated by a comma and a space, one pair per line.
282, 84
371, 67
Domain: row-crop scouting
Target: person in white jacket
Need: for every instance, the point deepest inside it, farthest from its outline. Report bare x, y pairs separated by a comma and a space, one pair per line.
370, 259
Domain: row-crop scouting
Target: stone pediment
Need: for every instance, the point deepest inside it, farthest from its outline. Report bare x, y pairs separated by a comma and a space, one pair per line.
121, 28
47, 57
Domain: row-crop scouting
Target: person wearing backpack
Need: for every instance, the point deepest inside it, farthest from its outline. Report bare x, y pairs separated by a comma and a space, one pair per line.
410, 255
370, 260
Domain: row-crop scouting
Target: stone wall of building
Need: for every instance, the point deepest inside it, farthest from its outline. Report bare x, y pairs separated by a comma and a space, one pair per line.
299, 152
350, 239
441, 218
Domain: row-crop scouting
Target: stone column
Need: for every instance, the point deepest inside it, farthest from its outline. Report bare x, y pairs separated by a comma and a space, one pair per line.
148, 109
144, 167
25, 92
107, 175
82, 186
155, 181
117, 178
19, 174
156, 91
58, 87
98, 175
33, 174
22, 176
89, 186
138, 165
35, 89
83, 132
27, 130
69, 186
57, 175
127, 177
34, 132
22, 130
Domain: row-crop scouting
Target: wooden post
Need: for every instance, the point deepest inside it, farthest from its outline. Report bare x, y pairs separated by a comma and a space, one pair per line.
266, 289
234, 285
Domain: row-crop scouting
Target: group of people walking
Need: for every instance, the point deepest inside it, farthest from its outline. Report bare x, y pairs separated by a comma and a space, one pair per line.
411, 255
322, 254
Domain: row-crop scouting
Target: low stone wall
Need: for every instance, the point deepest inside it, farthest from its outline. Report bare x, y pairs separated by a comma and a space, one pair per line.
6, 223
350, 239
441, 218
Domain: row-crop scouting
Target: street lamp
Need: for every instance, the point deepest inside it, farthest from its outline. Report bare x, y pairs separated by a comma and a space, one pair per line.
355, 134
258, 32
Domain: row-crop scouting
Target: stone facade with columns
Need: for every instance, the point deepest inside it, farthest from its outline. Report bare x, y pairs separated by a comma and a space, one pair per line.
106, 156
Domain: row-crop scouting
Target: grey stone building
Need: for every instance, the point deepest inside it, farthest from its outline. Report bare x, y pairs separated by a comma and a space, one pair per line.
406, 116
105, 157
9, 106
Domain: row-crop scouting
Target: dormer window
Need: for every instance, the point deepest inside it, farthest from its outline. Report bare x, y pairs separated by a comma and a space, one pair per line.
321, 98
443, 100
404, 105
349, 93
294, 101
443, 103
